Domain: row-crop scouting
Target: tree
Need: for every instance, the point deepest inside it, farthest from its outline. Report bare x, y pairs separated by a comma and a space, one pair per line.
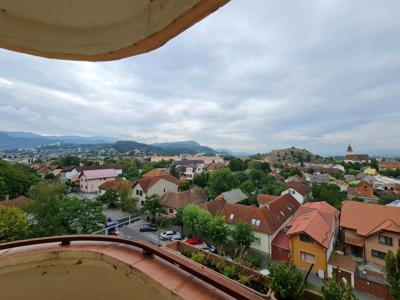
222, 180
68, 160
174, 171
178, 219
243, 235
201, 179
237, 164
185, 185
272, 186
128, 203
392, 266
110, 197
152, 205
55, 213
218, 231
248, 187
328, 192
286, 281
196, 220
337, 289
13, 224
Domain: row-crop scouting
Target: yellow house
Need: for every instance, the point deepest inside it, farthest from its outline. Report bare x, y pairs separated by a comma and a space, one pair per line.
311, 236
370, 171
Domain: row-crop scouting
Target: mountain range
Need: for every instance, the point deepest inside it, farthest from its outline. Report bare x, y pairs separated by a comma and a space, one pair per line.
12, 140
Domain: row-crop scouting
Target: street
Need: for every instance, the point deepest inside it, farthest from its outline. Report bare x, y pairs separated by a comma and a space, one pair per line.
132, 231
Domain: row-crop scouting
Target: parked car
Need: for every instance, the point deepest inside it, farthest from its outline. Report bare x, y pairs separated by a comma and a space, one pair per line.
135, 219
205, 247
167, 235
147, 228
194, 241
176, 237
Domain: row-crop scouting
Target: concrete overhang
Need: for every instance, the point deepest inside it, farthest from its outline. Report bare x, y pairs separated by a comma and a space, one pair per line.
96, 30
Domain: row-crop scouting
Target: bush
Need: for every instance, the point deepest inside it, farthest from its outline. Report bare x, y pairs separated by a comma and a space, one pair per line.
244, 279
333, 289
230, 271
286, 281
199, 257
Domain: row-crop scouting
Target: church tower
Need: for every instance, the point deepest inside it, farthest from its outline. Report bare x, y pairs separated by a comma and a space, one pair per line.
349, 149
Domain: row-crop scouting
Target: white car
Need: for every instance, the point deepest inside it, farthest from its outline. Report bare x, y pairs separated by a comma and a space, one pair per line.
167, 235
205, 247
176, 237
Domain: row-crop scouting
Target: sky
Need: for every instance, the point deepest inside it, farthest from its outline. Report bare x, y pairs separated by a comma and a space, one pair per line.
254, 76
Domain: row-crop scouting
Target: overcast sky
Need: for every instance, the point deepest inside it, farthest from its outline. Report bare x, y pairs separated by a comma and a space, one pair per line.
254, 76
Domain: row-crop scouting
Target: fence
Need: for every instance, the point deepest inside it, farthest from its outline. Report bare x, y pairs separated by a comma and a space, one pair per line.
118, 224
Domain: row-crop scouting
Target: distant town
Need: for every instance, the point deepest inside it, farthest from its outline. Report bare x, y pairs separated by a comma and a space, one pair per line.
336, 217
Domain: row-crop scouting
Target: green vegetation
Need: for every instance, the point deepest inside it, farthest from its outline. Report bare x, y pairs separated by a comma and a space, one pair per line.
128, 203
243, 235
15, 179
201, 179
337, 289
110, 198
55, 213
392, 266
220, 181
328, 192
286, 280
13, 224
152, 205
196, 220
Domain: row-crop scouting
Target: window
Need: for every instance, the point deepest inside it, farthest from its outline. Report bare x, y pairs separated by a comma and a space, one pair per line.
258, 222
307, 257
231, 217
142, 203
385, 240
171, 210
257, 241
253, 221
378, 254
305, 238
356, 251
293, 192
164, 190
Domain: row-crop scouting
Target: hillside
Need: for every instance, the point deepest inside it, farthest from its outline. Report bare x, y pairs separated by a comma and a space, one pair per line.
292, 155
190, 147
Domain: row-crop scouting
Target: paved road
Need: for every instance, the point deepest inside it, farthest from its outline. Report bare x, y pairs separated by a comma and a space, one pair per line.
132, 231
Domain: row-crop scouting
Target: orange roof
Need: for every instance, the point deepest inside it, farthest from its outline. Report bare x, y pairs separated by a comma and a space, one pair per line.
147, 182
301, 188
19, 202
265, 198
389, 165
178, 200
266, 219
214, 206
116, 184
368, 218
317, 220
155, 173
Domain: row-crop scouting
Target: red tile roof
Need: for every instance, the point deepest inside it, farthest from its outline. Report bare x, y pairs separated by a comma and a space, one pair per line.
265, 198
317, 220
267, 219
368, 219
116, 184
357, 157
214, 206
178, 200
301, 188
147, 182
389, 165
281, 241
155, 173
19, 202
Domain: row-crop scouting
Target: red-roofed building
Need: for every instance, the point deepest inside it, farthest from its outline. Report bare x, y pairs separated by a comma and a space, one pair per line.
114, 185
20, 202
298, 190
370, 230
156, 185
312, 235
265, 221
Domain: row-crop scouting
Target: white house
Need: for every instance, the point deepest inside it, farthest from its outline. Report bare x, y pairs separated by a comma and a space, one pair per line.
189, 168
157, 185
298, 190
90, 180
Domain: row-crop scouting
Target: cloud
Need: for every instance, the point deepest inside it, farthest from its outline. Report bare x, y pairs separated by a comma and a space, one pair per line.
254, 76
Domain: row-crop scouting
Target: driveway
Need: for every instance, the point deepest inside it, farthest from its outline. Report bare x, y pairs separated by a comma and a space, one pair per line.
132, 231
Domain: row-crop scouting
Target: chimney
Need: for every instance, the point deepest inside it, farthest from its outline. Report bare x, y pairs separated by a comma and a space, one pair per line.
7, 197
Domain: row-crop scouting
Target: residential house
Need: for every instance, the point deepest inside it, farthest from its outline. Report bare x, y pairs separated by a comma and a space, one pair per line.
215, 166
317, 178
298, 190
214, 206
394, 203
265, 221
343, 185
90, 180
206, 159
115, 185
370, 230
174, 201
383, 183
370, 171
19, 202
156, 172
355, 158
189, 168
70, 173
265, 199
362, 190
157, 185
275, 174
41, 169
158, 158
233, 196
389, 165
295, 178
312, 236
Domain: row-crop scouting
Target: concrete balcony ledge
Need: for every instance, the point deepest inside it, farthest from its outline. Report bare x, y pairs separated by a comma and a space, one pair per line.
103, 267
